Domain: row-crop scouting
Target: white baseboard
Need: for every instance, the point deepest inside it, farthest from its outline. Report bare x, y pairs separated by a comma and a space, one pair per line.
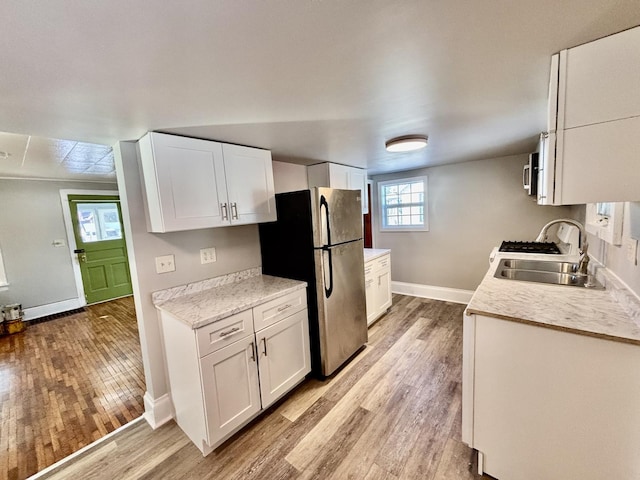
454, 295
32, 313
157, 411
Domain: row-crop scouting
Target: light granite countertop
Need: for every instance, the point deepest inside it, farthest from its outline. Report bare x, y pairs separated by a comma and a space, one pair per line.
215, 303
613, 313
371, 253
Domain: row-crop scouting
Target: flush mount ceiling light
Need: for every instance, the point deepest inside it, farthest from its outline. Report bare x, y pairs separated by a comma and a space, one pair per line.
406, 143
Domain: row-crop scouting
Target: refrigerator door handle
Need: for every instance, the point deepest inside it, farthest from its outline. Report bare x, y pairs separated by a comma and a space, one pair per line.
323, 203
328, 290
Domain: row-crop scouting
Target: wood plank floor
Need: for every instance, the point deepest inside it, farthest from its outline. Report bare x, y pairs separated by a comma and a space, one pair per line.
66, 383
393, 413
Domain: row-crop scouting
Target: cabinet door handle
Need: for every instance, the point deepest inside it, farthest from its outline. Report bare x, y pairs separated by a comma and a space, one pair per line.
253, 352
229, 332
225, 213
284, 307
264, 341
234, 211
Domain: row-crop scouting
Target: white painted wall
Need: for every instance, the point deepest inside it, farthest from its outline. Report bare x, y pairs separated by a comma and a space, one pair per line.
473, 207
614, 257
237, 248
38, 273
288, 177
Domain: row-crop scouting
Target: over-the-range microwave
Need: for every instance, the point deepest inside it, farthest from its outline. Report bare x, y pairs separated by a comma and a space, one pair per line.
530, 174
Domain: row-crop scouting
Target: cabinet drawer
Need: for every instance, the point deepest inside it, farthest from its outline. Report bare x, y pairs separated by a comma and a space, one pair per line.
383, 263
368, 267
224, 332
275, 310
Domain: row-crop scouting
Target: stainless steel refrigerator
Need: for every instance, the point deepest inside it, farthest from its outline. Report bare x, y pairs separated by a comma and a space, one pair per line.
318, 239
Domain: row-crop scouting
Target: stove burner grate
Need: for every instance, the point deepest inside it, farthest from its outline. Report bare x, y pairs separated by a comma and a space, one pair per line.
530, 247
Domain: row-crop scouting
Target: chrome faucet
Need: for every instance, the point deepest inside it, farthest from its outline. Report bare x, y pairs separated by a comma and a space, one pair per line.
583, 246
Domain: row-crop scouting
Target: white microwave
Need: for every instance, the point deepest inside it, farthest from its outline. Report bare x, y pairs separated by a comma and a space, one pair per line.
530, 174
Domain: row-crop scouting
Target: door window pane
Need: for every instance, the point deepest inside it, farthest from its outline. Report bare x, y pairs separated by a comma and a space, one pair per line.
98, 221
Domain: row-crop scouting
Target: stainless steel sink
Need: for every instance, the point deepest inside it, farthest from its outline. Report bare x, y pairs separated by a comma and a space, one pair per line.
540, 271
540, 265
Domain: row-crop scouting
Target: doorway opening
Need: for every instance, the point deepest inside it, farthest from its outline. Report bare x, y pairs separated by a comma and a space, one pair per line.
70, 381
100, 246
93, 220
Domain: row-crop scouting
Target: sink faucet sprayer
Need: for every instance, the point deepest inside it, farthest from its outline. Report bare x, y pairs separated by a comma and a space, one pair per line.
582, 241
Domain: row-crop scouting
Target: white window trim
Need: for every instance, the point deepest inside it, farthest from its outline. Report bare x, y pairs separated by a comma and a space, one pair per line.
407, 228
609, 228
3, 274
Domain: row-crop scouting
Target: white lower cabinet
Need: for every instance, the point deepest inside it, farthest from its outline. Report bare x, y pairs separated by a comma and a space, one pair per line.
224, 374
377, 280
548, 404
231, 388
283, 356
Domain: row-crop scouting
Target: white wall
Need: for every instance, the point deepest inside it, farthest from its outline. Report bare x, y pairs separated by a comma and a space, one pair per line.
288, 177
237, 248
38, 273
473, 207
614, 256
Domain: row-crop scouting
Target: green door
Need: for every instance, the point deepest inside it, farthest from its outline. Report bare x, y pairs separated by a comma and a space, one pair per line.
100, 246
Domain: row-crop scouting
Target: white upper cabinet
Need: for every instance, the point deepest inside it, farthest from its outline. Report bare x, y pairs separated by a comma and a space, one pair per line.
249, 175
335, 175
591, 153
602, 80
184, 182
191, 183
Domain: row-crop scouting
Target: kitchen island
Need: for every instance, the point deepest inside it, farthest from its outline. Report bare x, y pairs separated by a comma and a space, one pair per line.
551, 379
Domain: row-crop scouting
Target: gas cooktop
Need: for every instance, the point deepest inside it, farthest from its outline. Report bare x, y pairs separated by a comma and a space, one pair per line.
530, 247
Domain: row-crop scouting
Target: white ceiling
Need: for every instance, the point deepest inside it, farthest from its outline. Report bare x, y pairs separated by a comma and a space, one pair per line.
312, 80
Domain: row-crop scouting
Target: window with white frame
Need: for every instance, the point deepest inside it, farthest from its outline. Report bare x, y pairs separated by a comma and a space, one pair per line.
403, 204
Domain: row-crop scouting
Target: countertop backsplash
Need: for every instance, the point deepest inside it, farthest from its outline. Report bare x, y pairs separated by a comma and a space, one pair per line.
170, 293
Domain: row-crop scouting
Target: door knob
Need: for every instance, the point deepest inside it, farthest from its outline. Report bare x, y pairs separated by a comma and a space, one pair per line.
82, 256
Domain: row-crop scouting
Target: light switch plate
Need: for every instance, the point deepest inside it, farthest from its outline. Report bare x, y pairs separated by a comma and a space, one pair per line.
207, 255
165, 263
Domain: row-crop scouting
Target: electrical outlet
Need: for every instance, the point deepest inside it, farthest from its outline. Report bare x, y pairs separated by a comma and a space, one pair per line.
207, 255
165, 263
631, 246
